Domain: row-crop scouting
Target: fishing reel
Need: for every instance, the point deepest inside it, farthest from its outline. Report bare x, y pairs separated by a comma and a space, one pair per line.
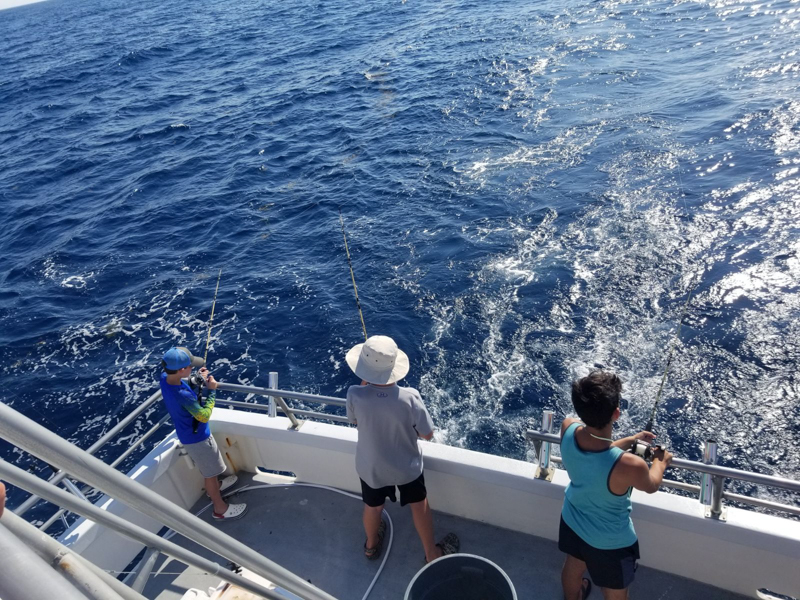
197, 381
643, 450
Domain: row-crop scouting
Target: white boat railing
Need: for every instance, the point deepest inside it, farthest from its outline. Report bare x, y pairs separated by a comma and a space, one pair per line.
104, 439
46, 445
711, 492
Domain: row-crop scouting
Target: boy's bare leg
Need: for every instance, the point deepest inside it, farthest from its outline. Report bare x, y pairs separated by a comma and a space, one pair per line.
610, 594
372, 522
572, 578
423, 521
212, 487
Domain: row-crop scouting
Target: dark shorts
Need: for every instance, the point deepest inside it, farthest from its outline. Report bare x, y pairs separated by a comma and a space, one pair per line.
409, 493
614, 569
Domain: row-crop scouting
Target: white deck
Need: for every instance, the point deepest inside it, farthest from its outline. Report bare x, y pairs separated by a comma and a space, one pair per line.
318, 535
494, 504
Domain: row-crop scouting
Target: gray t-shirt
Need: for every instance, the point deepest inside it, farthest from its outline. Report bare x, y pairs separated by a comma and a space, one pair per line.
389, 419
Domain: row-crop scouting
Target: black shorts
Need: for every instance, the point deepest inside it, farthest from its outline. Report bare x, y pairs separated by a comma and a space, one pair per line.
614, 569
409, 493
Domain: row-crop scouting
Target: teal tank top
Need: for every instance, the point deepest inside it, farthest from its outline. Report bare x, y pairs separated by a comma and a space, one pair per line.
600, 517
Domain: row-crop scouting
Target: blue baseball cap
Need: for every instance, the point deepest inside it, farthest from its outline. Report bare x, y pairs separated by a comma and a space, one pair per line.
179, 358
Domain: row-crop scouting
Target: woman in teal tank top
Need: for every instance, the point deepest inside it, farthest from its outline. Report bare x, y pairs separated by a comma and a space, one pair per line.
596, 530
599, 516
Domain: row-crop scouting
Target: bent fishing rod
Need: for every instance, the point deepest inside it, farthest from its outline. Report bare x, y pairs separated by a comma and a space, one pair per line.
640, 448
211, 320
352, 276
675, 338
196, 381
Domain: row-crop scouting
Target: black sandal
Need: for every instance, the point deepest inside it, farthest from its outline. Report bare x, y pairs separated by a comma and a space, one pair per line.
449, 544
588, 589
374, 553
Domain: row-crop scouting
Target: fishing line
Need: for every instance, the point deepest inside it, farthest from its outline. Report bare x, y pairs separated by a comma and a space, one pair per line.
352, 276
676, 337
211, 321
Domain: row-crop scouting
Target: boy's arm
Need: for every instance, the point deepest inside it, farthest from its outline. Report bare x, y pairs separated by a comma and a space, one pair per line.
428, 437
635, 473
351, 410
192, 406
423, 424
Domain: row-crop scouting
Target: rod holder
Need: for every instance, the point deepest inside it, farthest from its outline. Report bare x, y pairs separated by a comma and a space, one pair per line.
712, 486
545, 469
273, 385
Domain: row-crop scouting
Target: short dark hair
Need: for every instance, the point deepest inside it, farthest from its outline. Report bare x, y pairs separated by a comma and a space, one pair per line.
168, 371
596, 397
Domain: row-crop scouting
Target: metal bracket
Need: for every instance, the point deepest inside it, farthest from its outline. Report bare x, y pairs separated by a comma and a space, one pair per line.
722, 516
294, 427
544, 474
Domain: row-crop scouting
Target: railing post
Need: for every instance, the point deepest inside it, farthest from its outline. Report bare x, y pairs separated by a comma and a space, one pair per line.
275, 400
273, 385
545, 470
712, 486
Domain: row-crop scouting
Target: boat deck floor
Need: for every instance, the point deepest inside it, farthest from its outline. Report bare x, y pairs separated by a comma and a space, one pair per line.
317, 534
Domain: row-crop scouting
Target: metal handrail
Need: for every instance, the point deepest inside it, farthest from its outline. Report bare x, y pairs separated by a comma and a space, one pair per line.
53, 550
32, 437
272, 393
87, 488
24, 573
717, 471
88, 510
251, 389
690, 465
294, 411
102, 441
670, 483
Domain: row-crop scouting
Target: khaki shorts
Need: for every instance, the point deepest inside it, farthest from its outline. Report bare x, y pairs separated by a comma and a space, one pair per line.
207, 457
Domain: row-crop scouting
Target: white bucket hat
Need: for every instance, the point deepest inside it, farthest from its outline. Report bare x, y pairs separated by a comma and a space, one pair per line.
378, 360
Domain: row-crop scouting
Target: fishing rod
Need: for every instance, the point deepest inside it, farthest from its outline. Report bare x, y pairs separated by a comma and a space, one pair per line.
196, 380
352, 276
211, 320
675, 338
640, 448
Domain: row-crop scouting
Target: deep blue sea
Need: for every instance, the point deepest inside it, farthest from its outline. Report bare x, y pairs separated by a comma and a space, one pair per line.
528, 188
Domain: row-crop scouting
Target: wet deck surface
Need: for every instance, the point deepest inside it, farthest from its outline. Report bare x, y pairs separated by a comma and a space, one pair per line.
318, 535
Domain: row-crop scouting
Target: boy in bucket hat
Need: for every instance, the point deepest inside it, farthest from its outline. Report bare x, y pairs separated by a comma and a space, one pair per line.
191, 425
390, 420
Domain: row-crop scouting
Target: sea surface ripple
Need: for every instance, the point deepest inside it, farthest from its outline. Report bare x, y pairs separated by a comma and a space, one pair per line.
529, 189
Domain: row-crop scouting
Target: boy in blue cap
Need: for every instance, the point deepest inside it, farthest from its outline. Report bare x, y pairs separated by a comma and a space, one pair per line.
191, 425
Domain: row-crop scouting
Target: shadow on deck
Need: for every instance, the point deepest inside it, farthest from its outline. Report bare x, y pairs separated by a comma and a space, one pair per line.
317, 534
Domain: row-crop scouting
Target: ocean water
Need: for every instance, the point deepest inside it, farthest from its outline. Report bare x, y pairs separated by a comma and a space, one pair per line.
529, 189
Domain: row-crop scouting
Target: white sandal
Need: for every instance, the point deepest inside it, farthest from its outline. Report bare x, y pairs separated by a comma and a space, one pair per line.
235, 511
226, 483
